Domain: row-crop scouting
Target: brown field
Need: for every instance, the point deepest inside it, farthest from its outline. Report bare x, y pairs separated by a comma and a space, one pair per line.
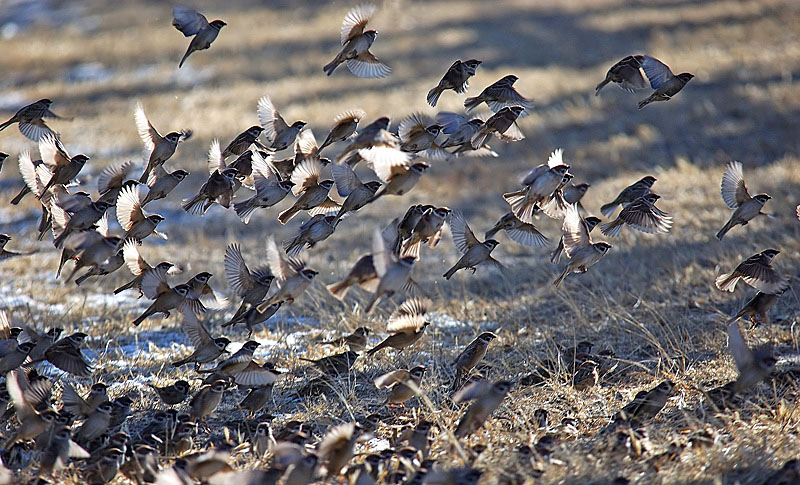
652, 300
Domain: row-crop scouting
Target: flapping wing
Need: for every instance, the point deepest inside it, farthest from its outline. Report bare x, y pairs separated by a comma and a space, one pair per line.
147, 133
462, 234
215, 160
236, 271
656, 71
113, 175
574, 231
734, 191
187, 20
355, 21
129, 207
197, 333
270, 119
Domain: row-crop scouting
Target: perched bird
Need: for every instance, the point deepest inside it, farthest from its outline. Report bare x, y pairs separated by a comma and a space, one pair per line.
278, 133
77, 406
590, 222
207, 399
344, 126
394, 273
642, 215
470, 356
30, 120
487, 397
157, 149
219, 188
665, 83
757, 308
356, 341
139, 267
243, 141
630, 193
456, 78
428, 229
402, 384
356, 193
499, 95
314, 230
270, 189
405, 326
473, 252
161, 183
259, 396
646, 404
251, 286
57, 454
172, 394
627, 74
540, 184
133, 219
334, 365
578, 245
65, 168
736, 196
756, 271
206, 348
192, 23
311, 190
503, 124
336, 448
356, 43
292, 275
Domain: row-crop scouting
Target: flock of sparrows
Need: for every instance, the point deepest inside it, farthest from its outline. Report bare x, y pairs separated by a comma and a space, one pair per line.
104, 444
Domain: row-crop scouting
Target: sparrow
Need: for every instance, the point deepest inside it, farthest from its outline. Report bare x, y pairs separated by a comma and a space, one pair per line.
42, 340
736, 196
642, 215
141, 466
312, 192
161, 183
79, 407
5, 253
418, 133
540, 183
219, 188
30, 120
344, 126
372, 135
573, 193
578, 245
630, 193
589, 222
14, 357
665, 83
519, 232
243, 141
405, 227
236, 363
314, 230
77, 242
757, 309
172, 394
356, 43
35, 174
105, 469
499, 95
429, 229
394, 273
627, 74
112, 179
473, 252
405, 326
66, 354
397, 172
270, 189
334, 365
65, 168
32, 422
96, 423
157, 149
253, 317
302, 472
362, 274
357, 194
487, 397
95, 255
138, 266
461, 130
206, 348
470, 356
756, 271
754, 365
278, 133
291, 274
646, 404
356, 341
191, 22
258, 397
251, 286
336, 448
456, 78
399, 382
133, 219
503, 123
79, 221
165, 298
207, 399
57, 454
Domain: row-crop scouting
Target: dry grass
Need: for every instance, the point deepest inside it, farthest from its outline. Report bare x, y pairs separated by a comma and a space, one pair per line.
651, 300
